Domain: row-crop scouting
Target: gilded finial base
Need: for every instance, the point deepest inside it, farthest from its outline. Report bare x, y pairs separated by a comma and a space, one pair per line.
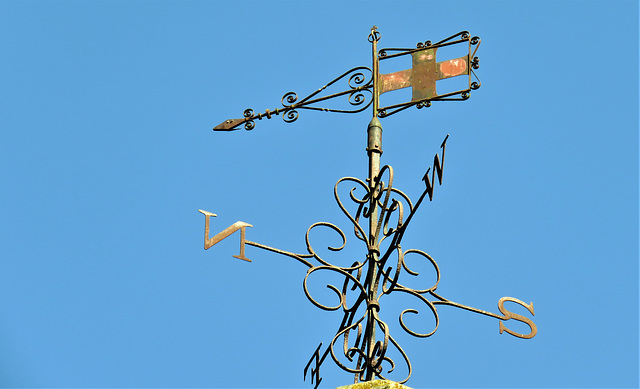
376, 384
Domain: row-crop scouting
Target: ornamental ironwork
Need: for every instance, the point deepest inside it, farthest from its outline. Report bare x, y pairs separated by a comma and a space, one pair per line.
378, 212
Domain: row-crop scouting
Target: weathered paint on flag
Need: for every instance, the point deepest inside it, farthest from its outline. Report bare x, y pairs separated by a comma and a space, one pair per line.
424, 73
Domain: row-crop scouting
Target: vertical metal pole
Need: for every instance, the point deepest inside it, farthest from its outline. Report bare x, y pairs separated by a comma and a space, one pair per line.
374, 150
374, 143
374, 46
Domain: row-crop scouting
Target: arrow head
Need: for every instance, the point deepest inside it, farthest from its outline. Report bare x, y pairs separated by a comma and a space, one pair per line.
229, 125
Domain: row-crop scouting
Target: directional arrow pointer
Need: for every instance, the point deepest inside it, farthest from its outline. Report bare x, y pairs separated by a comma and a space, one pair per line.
229, 125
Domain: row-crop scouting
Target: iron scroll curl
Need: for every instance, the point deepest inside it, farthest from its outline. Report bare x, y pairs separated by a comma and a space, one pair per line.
390, 201
359, 81
359, 92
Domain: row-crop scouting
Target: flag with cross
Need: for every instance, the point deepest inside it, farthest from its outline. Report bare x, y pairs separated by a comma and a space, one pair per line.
364, 82
426, 70
422, 76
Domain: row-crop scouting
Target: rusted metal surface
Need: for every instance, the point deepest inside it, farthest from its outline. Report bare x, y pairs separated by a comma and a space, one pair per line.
423, 75
229, 125
366, 85
379, 215
426, 71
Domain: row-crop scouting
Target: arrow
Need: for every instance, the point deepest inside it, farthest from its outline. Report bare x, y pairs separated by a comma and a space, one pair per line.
229, 125
249, 117
359, 79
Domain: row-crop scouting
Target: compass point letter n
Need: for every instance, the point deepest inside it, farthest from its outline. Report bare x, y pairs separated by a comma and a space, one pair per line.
208, 242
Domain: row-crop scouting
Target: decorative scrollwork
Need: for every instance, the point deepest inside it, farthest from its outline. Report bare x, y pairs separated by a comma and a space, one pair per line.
332, 248
341, 296
358, 79
291, 116
358, 294
359, 83
364, 355
359, 94
249, 124
362, 202
415, 311
374, 36
357, 98
475, 63
290, 97
423, 104
388, 201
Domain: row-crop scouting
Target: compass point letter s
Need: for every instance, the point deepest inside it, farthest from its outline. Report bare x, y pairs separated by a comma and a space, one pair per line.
510, 315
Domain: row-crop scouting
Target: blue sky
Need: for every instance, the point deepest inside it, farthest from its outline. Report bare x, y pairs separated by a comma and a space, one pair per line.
107, 154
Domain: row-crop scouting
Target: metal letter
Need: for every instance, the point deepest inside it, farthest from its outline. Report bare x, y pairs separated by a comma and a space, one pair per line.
511, 315
437, 168
208, 242
315, 372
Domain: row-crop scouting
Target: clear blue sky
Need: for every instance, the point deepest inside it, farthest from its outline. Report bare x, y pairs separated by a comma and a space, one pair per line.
107, 153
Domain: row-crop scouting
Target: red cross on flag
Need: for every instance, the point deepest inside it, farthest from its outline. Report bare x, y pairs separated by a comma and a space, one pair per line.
426, 70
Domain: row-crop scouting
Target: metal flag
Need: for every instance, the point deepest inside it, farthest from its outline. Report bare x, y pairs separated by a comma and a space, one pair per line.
366, 85
426, 71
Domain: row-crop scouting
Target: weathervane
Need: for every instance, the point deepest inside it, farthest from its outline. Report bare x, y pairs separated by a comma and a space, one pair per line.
380, 214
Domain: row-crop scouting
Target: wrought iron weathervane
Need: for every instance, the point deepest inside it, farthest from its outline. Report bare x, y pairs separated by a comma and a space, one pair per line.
380, 215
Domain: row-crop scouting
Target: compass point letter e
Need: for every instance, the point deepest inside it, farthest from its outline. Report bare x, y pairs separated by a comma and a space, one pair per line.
208, 242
